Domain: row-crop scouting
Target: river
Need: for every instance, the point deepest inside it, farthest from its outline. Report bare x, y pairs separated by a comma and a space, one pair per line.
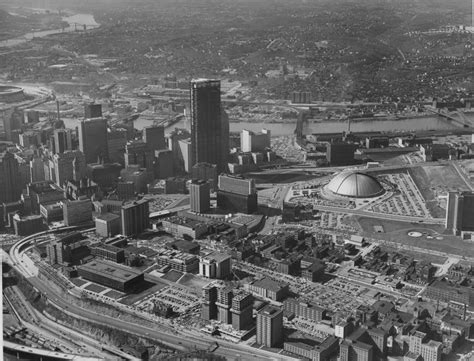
383, 125
277, 129
79, 19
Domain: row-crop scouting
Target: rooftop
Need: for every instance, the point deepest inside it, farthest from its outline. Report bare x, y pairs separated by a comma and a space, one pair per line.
270, 310
107, 217
217, 256
107, 247
111, 269
269, 284
134, 203
355, 184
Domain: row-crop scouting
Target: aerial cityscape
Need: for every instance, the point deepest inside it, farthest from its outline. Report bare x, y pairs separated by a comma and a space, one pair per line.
237, 180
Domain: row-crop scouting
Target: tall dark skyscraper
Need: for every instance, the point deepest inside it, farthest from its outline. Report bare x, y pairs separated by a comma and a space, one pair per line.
10, 185
62, 140
93, 139
154, 137
209, 133
92, 110
459, 214
135, 217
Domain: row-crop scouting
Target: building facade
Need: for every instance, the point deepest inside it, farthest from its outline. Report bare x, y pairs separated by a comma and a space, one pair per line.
207, 124
10, 186
270, 326
200, 198
135, 217
93, 140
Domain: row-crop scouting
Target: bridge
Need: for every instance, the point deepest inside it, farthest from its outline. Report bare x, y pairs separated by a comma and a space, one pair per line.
21, 351
457, 116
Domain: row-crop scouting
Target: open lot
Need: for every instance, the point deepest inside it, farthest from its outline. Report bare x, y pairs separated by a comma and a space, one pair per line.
398, 232
172, 275
434, 181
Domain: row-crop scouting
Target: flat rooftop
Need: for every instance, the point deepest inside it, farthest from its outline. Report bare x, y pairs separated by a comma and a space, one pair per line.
107, 247
132, 204
112, 270
217, 256
269, 284
107, 217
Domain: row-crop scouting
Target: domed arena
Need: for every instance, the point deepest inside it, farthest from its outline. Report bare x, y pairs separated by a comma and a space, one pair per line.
11, 94
355, 185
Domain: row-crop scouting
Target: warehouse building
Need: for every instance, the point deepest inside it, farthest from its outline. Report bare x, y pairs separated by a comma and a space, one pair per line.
109, 274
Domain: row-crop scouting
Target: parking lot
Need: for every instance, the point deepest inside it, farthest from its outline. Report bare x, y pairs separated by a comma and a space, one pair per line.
176, 297
407, 201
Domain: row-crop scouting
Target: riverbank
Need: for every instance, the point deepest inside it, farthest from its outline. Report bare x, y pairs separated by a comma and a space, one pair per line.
70, 23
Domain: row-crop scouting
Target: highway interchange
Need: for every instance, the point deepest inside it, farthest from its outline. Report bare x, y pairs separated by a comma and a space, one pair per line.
180, 339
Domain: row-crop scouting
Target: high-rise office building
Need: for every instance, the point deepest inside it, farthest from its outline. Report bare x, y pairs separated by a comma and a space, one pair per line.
224, 303
207, 172
242, 306
138, 153
179, 142
13, 119
69, 165
62, 140
116, 142
92, 110
93, 140
254, 142
236, 194
37, 169
30, 138
208, 131
270, 326
10, 184
215, 265
185, 151
77, 212
209, 308
459, 213
340, 153
125, 190
225, 139
199, 191
154, 137
163, 167
135, 217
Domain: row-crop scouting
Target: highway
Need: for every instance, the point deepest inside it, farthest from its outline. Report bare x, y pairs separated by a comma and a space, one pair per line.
184, 340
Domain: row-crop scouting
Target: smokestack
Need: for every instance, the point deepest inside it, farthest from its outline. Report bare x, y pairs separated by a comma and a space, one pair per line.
57, 109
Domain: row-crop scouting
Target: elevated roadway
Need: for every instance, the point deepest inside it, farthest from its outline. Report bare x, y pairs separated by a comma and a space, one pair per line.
181, 339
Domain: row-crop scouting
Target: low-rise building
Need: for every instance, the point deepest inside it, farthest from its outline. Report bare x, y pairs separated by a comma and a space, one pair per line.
267, 288
77, 212
25, 226
306, 310
177, 260
180, 226
110, 274
108, 252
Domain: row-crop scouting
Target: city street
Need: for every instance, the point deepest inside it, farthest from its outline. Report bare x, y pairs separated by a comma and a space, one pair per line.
164, 335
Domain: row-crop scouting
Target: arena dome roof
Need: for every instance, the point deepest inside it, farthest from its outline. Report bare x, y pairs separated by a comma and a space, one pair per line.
354, 184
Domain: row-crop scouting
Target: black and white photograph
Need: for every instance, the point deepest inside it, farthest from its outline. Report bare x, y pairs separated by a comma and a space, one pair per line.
242, 180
